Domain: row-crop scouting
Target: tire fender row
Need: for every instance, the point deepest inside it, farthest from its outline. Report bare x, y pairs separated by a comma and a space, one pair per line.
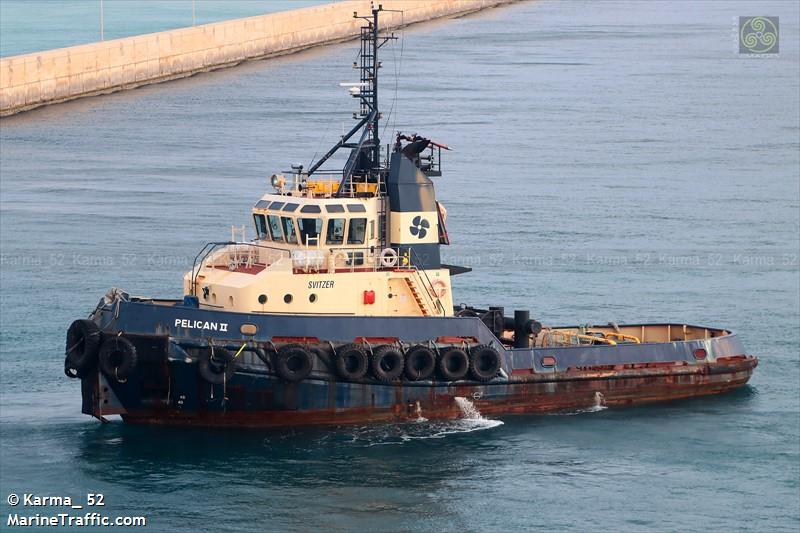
116, 356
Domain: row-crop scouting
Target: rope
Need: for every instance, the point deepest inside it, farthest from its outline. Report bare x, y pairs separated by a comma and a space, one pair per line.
240, 351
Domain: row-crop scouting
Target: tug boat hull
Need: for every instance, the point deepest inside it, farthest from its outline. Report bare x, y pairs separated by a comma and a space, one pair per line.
167, 388
341, 311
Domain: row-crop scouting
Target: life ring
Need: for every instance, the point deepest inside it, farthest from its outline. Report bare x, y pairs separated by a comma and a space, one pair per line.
83, 343
118, 358
351, 361
216, 365
387, 363
420, 363
389, 257
337, 258
484, 363
293, 363
438, 288
453, 365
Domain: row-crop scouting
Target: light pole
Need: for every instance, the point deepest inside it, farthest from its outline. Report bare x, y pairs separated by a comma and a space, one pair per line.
193, 19
102, 37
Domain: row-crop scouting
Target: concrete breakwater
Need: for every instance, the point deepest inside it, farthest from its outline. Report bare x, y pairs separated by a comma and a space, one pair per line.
32, 80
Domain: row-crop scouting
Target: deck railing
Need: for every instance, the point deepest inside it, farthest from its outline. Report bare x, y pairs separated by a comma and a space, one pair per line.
235, 256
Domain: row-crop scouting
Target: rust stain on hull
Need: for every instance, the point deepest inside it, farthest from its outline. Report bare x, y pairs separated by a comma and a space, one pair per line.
574, 390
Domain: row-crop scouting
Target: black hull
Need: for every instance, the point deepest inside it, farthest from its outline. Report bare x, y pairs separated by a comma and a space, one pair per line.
166, 387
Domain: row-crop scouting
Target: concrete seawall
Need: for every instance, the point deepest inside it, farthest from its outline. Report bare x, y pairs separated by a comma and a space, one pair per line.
32, 80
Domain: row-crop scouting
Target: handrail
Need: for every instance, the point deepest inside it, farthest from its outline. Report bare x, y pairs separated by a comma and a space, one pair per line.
429, 289
196, 271
372, 260
210, 247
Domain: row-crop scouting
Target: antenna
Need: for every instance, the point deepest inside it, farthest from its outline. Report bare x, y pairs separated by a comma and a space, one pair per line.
365, 155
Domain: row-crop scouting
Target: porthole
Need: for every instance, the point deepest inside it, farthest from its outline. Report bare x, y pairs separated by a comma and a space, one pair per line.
312, 298
287, 299
262, 299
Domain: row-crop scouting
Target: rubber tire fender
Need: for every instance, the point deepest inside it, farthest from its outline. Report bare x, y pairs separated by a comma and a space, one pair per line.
453, 364
72, 372
352, 361
387, 363
83, 344
216, 365
420, 363
118, 358
293, 363
484, 362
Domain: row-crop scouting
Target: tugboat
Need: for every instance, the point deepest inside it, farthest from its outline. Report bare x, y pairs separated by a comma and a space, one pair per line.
340, 311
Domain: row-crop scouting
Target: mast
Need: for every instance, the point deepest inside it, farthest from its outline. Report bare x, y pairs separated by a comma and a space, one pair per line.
376, 142
364, 161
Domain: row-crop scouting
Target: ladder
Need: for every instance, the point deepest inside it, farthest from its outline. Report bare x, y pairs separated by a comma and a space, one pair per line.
412, 286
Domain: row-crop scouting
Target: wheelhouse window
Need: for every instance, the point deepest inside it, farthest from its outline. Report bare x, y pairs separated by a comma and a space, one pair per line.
275, 228
288, 230
261, 227
310, 230
357, 232
335, 233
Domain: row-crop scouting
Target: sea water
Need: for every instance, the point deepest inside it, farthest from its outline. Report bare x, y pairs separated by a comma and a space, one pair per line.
611, 162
